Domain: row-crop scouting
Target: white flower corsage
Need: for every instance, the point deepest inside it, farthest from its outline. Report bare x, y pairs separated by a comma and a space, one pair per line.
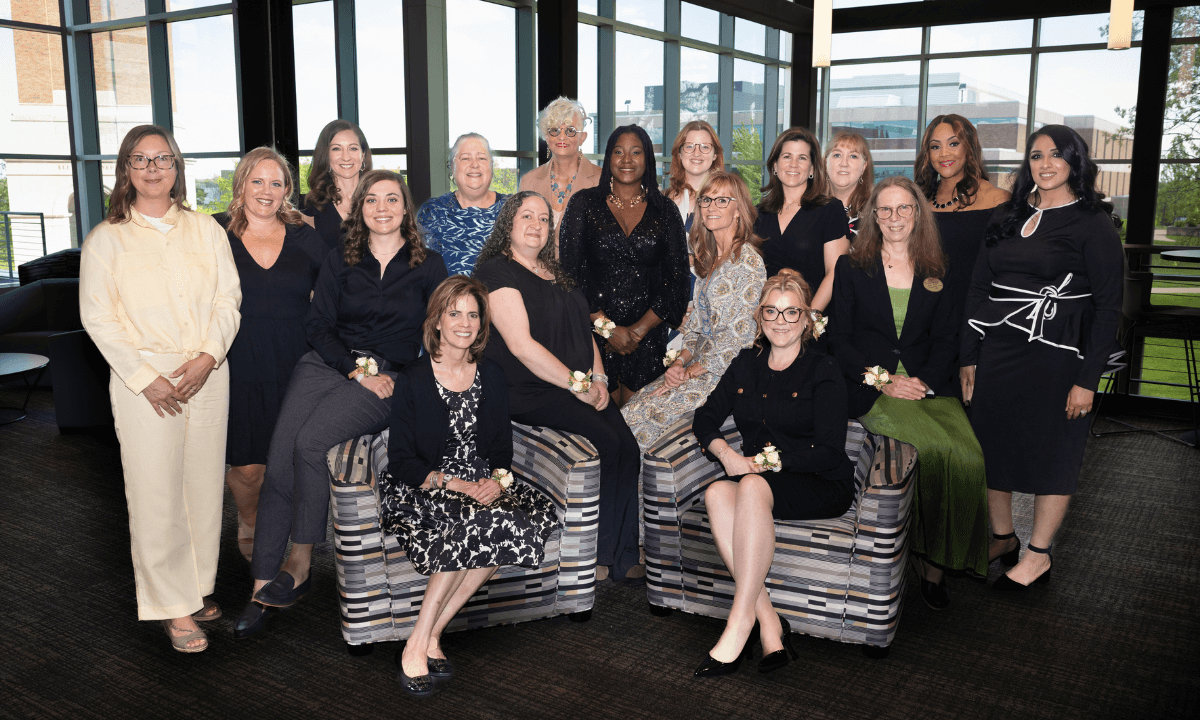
579, 382
604, 327
369, 367
671, 356
502, 477
768, 459
819, 323
876, 377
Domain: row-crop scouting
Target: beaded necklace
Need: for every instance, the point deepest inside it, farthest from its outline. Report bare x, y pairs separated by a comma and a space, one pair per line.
562, 194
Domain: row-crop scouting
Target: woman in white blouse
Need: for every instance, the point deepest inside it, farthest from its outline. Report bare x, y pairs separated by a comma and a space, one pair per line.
159, 295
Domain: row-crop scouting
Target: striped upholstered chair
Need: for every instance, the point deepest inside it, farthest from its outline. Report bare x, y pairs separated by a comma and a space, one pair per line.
379, 591
841, 579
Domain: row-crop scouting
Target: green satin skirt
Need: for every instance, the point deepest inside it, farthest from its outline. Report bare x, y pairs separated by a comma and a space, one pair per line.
950, 525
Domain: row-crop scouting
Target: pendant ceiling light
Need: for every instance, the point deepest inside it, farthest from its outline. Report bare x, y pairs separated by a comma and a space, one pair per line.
823, 31
1120, 24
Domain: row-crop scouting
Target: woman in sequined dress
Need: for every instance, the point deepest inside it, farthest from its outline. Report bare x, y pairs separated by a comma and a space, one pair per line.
623, 242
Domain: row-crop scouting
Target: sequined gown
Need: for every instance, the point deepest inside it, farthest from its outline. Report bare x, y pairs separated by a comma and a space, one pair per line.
625, 276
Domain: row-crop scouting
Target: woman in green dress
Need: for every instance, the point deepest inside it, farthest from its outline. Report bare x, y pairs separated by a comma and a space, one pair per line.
893, 311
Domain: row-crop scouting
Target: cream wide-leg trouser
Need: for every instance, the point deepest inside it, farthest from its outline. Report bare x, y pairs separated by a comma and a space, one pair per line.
174, 483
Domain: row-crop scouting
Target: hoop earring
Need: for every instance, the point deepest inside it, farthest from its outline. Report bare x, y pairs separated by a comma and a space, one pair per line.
860, 177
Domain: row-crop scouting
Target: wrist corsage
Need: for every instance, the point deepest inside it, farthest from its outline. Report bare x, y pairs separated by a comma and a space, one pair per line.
368, 366
671, 356
502, 477
768, 459
819, 322
876, 377
604, 327
579, 382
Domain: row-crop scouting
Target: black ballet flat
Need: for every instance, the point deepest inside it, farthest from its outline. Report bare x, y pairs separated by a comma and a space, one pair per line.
1006, 584
418, 687
252, 621
935, 595
779, 658
1011, 557
711, 667
440, 668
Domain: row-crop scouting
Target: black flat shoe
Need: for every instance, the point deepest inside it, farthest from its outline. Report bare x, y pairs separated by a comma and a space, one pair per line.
418, 687
282, 591
440, 668
1006, 584
779, 658
252, 621
1011, 557
936, 595
711, 667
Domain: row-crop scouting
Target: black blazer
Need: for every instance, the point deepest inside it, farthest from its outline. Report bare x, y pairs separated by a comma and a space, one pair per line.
862, 332
421, 422
802, 410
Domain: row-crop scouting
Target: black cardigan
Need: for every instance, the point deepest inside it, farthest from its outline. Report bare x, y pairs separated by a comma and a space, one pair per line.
862, 332
421, 422
802, 410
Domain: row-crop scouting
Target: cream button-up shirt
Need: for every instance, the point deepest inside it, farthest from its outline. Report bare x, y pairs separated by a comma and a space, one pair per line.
145, 291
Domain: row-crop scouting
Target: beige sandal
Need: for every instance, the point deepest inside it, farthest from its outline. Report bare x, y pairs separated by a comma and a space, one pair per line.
180, 642
210, 611
245, 539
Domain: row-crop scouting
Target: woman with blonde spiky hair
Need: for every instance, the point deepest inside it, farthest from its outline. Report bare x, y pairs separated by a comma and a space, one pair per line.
563, 125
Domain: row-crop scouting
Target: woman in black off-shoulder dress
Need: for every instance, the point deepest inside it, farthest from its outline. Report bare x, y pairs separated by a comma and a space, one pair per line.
624, 243
1043, 310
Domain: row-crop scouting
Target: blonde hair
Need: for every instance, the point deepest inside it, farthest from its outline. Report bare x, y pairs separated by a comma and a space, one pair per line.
788, 280
558, 112
287, 214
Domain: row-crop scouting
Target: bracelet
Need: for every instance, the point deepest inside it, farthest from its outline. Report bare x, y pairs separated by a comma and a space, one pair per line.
600, 377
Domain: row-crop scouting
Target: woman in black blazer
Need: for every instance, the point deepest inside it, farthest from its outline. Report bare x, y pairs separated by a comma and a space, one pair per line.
794, 399
448, 494
893, 310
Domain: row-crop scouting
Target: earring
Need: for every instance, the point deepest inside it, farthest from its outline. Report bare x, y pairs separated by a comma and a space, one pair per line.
860, 177
810, 176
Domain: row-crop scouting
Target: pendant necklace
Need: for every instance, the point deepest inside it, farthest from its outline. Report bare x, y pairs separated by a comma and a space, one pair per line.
562, 194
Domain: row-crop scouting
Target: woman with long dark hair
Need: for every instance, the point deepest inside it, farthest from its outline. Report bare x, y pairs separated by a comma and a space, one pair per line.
624, 244
340, 158
893, 309
1043, 310
364, 326
950, 172
802, 227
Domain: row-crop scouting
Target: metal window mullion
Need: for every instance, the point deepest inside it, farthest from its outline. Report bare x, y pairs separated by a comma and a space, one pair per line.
923, 86
83, 120
725, 85
1034, 60
606, 75
671, 76
158, 53
140, 20
771, 94
526, 49
426, 87
345, 43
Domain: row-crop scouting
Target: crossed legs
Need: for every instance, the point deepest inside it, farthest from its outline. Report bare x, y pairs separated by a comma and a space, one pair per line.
1048, 514
445, 595
744, 531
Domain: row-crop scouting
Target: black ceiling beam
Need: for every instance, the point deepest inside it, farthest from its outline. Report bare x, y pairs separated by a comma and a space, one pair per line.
955, 12
789, 16
1148, 131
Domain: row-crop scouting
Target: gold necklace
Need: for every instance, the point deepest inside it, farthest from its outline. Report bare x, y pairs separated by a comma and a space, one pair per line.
612, 195
385, 254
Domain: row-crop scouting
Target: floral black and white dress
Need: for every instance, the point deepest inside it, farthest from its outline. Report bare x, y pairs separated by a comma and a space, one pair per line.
442, 530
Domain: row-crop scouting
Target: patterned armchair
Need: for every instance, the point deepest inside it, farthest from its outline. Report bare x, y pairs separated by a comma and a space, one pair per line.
841, 579
379, 591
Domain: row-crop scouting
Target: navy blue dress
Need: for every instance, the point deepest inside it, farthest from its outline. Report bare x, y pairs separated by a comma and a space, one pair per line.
271, 340
328, 221
801, 245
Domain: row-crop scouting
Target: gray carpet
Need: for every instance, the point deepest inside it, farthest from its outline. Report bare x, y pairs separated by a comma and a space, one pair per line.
1114, 635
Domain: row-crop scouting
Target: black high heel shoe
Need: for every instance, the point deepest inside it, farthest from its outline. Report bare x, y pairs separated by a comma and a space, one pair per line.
1006, 584
1011, 557
711, 667
935, 594
779, 658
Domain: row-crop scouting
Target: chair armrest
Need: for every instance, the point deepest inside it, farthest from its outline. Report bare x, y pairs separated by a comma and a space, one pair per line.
350, 462
675, 472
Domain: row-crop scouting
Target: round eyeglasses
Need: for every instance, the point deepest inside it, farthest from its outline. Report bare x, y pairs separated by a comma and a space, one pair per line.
568, 131
791, 314
162, 162
702, 148
884, 212
722, 202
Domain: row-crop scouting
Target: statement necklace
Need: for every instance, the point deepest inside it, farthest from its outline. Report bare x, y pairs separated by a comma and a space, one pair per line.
562, 194
612, 195
948, 203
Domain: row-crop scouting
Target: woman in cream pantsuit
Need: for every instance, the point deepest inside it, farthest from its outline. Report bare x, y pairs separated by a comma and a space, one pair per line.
159, 295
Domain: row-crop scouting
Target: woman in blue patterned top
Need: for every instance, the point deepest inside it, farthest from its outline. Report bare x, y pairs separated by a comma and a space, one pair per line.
457, 224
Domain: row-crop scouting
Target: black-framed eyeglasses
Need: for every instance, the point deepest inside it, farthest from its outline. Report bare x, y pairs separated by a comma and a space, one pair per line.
568, 131
162, 162
722, 202
702, 148
884, 212
791, 315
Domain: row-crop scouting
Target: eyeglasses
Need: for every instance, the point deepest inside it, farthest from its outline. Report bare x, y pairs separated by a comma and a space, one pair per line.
702, 148
883, 212
568, 131
722, 202
791, 315
141, 162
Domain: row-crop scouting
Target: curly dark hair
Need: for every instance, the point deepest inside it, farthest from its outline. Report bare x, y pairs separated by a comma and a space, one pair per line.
649, 176
814, 194
322, 188
1081, 181
927, 178
499, 243
357, 233
446, 296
